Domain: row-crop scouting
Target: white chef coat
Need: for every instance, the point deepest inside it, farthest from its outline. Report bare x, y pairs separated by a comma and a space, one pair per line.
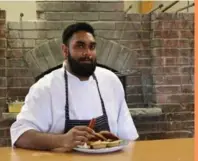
44, 108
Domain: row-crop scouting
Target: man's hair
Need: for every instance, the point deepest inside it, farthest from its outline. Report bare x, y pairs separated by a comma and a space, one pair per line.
72, 29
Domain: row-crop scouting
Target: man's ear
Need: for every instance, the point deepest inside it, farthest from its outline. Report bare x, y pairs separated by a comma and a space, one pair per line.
65, 50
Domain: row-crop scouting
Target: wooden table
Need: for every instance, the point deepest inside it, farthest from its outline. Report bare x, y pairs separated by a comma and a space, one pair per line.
161, 150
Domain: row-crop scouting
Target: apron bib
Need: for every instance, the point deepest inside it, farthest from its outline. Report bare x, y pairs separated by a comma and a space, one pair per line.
101, 121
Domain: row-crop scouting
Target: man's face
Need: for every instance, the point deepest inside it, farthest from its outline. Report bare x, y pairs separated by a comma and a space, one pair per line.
82, 54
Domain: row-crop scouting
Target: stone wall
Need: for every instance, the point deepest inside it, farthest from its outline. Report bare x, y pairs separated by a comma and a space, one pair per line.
160, 48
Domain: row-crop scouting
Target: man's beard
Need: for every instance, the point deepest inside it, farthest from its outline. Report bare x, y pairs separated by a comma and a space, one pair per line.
81, 69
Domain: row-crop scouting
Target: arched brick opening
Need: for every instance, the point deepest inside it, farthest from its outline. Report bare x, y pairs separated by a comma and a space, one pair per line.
110, 54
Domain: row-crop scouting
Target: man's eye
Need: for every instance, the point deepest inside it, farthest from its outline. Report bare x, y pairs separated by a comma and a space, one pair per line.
80, 45
92, 47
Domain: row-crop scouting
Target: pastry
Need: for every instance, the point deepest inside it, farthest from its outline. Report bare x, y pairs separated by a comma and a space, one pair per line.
113, 143
98, 144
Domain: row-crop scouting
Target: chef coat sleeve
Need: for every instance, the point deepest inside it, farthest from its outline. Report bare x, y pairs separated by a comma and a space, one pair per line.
126, 126
35, 113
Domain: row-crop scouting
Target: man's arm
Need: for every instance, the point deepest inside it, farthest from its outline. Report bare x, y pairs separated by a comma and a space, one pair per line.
34, 120
128, 131
33, 139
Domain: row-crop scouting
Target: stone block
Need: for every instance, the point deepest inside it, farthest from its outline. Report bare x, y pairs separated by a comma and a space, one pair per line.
103, 25
132, 25
20, 82
20, 43
40, 59
105, 49
19, 72
55, 47
111, 16
111, 35
3, 43
16, 34
54, 34
32, 63
16, 63
2, 62
58, 16
113, 54
86, 16
3, 82
47, 53
49, 6
26, 25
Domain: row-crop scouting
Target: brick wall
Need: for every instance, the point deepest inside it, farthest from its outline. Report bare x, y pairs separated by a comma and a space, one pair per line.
2, 61
4, 127
163, 52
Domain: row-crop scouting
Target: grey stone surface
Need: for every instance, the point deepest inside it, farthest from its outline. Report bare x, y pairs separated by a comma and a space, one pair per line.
66, 23
146, 111
86, 16
45, 50
109, 34
32, 63
58, 16
49, 6
40, 60
130, 61
112, 16
122, 57
16, 62
128, 25
105, 49
99, 42
54, 34
19, 43
103, 25
131, 35
9, 115
26, 25
55, 47
49, 25
40, 42
113, 54
97, 6
72, 6
32, 34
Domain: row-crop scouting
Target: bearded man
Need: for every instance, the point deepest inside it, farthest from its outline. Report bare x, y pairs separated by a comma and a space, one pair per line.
59, 106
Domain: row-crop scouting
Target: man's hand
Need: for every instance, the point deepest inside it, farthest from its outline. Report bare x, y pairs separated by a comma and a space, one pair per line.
76, 136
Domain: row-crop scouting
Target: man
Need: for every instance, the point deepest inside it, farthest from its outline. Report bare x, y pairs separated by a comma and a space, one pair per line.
59, 107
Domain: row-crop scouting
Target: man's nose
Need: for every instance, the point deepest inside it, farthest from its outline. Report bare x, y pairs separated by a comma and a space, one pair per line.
87, 52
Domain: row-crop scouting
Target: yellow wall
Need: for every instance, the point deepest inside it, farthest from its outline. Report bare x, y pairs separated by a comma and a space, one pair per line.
137, 5
177, 6
14, 8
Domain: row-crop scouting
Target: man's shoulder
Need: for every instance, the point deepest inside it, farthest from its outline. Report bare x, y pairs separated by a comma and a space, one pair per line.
105, 73
48, 79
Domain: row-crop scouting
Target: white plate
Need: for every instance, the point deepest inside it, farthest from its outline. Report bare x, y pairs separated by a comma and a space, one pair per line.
103, 150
